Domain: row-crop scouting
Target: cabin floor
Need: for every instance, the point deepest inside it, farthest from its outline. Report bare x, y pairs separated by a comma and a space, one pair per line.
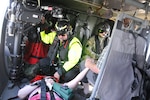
11, 90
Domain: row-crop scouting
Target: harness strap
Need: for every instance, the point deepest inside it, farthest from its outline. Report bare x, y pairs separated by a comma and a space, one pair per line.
43, 89
13, 98
52, 95
97, 45
36, 57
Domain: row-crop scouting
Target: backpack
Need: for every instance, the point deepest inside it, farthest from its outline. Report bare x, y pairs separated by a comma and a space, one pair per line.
35, 51
123, 73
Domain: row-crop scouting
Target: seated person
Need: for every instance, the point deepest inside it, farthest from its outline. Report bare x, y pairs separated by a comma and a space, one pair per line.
68, 53
93, 49
35, 49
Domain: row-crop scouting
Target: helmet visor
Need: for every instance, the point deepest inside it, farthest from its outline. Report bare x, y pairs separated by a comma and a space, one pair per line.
100, 31
61, 32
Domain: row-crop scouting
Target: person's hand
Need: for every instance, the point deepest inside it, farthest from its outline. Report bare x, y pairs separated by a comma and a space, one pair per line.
56, 75
89, 62
42, 19
49, 82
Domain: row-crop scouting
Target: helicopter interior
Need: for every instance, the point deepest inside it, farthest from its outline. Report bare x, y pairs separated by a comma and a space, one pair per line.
23, 15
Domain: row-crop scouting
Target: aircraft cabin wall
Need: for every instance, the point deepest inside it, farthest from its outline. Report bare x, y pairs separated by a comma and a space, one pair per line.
3, 72
84, 26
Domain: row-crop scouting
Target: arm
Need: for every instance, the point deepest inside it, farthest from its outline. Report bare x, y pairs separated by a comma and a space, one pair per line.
73, 83
74, 55
48, 38
89, 63
26, 90
90, 50
95, 67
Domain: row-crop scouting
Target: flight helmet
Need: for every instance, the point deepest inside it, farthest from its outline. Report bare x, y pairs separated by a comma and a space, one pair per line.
104, 27
63, 26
